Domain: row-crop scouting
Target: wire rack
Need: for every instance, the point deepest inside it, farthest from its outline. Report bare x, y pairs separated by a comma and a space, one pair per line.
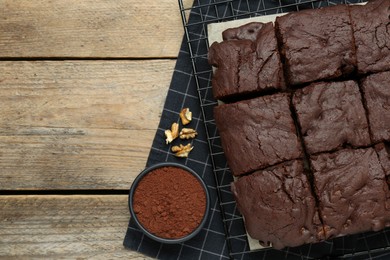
203, 12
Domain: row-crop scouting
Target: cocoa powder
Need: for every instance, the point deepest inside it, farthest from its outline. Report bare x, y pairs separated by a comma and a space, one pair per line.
169, 202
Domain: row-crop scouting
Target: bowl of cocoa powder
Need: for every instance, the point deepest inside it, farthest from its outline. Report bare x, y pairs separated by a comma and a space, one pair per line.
169, 202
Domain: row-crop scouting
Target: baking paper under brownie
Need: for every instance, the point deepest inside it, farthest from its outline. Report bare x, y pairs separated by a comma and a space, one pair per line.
278, 206
317, 44
352, 191
370, 24
331, 115
246, 62
257, 133
376, 89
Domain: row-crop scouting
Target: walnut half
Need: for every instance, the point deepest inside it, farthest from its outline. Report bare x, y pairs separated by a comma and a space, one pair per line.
182, 150
172, 134
187, 133
186, 116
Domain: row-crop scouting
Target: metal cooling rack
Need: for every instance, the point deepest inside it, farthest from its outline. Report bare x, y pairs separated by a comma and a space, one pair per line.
362, 246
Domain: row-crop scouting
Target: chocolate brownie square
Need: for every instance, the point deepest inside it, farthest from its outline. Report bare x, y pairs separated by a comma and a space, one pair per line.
376, 89
331, 115
257, 133
246, 62
370, 24
277, 205
352, 191
317, 44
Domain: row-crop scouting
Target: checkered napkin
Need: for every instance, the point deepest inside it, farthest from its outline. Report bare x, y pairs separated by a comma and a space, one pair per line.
211, 242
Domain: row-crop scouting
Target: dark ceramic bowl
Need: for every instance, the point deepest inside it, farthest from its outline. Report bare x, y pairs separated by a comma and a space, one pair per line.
144, 230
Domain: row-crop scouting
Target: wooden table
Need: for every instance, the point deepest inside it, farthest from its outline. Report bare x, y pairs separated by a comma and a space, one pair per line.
82, 86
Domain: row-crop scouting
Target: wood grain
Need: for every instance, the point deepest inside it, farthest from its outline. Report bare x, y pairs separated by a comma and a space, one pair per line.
78, 124
90, 28
64, 227
74, 124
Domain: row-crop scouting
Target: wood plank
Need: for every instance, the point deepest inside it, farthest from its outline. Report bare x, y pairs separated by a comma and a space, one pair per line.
78, 124
58, 227
93, 94
95, 159
90, 28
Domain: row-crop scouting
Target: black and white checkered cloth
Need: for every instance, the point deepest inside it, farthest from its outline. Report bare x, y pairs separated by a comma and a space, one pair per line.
223, 236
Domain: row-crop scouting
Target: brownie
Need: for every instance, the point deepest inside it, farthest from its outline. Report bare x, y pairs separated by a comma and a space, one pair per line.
277, 206
376, 89
317, 44
257, 133
331, 115
370, 24
352, 191
246, 63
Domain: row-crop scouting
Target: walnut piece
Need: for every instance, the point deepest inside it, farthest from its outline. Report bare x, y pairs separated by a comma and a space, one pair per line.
187, 133
186, 116
172, 134
182, 150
